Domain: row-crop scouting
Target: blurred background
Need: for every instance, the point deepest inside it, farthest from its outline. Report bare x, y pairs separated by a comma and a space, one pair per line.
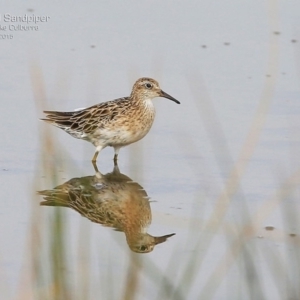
222, 169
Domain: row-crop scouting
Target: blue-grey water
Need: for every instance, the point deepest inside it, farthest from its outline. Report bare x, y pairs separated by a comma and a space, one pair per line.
222, 168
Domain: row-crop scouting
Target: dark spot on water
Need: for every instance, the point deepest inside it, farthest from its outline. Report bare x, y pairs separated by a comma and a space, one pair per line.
277, 32
30, 9
93, 46
269, 228
292, 234
226, 43
294, 41
204, 46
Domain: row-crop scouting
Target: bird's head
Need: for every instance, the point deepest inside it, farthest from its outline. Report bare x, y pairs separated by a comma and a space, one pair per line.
148, 88
145, 243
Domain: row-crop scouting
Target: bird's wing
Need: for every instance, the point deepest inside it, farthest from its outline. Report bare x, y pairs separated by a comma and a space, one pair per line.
89, 119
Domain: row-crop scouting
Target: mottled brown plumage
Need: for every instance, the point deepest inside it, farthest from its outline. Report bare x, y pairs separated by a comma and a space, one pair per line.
116, 123
113, 200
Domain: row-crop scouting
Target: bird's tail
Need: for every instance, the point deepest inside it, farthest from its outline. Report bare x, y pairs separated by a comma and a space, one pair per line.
59, 119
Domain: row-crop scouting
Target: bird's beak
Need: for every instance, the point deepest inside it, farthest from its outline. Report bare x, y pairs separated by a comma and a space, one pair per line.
161, 239
165, 95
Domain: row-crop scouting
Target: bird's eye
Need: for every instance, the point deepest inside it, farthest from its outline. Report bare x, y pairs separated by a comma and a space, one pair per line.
143, 248
148, 85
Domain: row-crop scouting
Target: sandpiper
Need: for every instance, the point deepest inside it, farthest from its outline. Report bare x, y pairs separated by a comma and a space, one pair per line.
113, 200
115, 123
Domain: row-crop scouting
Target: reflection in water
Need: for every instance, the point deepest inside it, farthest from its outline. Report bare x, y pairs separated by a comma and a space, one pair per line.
113, 200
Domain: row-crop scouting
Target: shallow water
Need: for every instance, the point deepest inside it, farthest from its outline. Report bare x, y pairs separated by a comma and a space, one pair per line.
222, 168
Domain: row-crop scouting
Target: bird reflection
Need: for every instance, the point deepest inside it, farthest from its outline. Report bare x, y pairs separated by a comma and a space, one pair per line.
113, 200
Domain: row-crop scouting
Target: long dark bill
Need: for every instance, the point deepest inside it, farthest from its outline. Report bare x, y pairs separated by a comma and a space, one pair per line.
162, 239
165, 95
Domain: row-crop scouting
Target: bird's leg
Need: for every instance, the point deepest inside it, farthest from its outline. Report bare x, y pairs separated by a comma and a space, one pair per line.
116, 159
95, 166
98, 149
95, 157
116, 155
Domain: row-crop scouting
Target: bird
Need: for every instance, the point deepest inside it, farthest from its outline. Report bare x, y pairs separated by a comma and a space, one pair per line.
115, 123
112, 200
